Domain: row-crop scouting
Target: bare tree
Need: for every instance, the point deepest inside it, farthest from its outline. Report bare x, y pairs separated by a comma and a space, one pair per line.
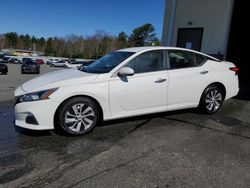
73, 46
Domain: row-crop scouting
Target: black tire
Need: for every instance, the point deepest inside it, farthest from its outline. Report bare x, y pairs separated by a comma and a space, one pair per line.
5, 73
211, 100
52, 65
22, 72
86, 124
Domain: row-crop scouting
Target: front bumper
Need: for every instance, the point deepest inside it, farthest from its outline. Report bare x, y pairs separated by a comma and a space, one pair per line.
36, 115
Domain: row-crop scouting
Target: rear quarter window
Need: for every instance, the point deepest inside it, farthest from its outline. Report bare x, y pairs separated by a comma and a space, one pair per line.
200, 59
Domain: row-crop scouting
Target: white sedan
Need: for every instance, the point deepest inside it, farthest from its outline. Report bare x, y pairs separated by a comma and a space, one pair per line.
124, 83
60, 63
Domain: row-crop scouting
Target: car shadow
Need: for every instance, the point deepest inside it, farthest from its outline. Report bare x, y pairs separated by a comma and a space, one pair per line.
32, 133
146, 117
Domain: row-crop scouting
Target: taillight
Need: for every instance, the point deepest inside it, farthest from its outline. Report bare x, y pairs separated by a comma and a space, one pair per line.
235, 69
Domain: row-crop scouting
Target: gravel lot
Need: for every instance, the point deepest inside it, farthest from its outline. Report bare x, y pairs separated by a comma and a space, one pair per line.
177, 149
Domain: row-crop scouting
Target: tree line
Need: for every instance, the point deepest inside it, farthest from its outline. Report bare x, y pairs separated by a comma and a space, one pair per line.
74, 46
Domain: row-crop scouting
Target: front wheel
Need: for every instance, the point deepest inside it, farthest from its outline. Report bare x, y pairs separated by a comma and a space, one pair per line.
78, 116
211, 100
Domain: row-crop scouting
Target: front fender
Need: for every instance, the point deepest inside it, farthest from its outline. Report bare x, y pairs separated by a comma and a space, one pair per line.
99, 92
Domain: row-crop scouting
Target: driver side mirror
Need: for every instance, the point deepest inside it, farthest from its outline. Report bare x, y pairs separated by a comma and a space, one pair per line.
126, 71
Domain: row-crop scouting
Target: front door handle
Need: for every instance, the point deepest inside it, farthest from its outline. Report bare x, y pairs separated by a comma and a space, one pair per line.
160, 80
203, 72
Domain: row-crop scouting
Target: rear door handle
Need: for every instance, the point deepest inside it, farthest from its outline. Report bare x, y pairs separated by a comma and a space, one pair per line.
204, 72
160, 80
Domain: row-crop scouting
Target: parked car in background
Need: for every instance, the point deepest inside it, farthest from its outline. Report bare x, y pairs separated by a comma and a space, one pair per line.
71, 60
30, 67
58, 63
78, 64
6, 59
15, 61
26, 59
2, 55
40, 61
124, 83
50, 61
3, 68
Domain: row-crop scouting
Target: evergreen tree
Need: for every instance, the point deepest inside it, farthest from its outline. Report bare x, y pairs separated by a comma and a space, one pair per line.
27, 42
122, 40
11, 39
143, 36
49, 49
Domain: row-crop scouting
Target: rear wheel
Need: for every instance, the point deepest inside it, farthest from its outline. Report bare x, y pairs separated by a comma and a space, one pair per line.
5, 72
211, 100
78, 116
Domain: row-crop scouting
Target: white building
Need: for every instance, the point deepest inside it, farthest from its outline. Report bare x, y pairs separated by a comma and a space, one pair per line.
215, 27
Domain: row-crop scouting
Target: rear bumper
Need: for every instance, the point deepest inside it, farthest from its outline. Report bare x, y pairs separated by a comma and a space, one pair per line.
30, 70
232, 93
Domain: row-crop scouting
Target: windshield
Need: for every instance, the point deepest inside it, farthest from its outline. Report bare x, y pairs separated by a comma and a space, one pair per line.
108, 62
30, 62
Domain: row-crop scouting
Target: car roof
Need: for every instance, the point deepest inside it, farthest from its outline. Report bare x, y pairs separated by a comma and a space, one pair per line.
147, 48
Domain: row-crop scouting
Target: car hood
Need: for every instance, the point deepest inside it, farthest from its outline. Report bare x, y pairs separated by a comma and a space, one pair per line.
55, 79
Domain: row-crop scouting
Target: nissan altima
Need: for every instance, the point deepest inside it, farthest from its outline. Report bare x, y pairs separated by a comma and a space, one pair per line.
124, 83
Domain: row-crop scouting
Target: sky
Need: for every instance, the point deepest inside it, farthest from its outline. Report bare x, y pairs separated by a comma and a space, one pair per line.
50, 18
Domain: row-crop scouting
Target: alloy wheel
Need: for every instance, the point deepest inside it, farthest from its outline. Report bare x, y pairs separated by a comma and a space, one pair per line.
79, 117
213, 100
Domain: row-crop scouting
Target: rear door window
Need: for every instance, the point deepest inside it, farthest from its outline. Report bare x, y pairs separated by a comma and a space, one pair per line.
179, 59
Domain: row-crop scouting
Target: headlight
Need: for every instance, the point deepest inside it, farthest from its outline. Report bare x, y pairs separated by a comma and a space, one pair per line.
40, 95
